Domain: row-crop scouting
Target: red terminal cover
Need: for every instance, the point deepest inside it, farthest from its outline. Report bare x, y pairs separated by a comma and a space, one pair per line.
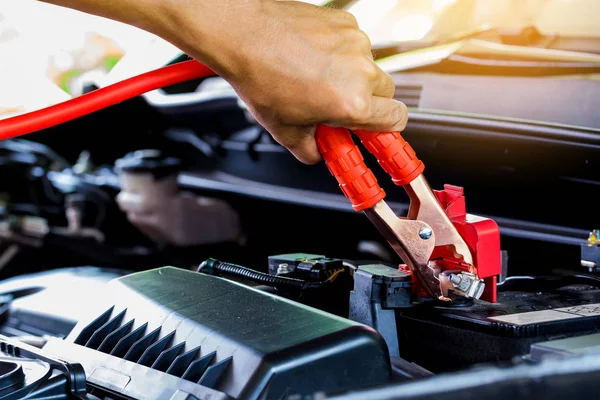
482, 235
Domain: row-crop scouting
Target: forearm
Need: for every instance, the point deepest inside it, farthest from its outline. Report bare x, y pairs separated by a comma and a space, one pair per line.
146, 14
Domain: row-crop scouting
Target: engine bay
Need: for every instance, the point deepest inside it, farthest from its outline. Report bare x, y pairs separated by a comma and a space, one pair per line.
191, 268
165, 246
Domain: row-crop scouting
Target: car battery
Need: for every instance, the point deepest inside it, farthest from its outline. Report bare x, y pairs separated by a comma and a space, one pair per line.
448, 336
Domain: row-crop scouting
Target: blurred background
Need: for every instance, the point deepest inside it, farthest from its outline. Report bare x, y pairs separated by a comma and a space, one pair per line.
51, 51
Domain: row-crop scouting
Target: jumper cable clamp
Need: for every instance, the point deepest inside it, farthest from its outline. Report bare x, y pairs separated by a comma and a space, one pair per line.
426, 239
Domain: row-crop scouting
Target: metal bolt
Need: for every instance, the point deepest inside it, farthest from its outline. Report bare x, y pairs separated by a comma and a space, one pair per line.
460, 281
283, 269
425, 233
465, 283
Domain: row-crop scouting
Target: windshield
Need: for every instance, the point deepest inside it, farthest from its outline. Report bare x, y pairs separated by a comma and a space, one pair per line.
435, 20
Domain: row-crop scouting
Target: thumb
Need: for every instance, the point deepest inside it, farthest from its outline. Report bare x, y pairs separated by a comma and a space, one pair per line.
300, 141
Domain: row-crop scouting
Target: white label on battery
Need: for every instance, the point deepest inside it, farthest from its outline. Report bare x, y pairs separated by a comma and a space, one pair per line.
585, 310
535, 317
557, 314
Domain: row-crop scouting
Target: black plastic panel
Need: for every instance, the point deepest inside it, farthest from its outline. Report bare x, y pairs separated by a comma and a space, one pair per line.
42, 303
229, 337
181, 363
101, 333
109, 343
139, 347
198, 367
166, 358
125, 344
84, 336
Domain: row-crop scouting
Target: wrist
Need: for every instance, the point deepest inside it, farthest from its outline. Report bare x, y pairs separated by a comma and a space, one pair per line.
214, 32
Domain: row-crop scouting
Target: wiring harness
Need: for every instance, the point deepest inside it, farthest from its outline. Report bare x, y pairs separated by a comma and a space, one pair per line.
101, 98
216, 267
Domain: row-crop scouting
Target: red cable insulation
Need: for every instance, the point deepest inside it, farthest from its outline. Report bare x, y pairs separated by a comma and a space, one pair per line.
101, 98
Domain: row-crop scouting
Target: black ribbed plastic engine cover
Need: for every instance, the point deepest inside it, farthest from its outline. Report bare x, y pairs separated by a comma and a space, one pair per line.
169, 330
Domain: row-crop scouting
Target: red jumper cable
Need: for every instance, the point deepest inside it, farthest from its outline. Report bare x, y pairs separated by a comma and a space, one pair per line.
101, 98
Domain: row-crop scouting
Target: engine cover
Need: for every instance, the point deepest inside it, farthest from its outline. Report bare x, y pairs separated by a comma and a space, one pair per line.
169, 330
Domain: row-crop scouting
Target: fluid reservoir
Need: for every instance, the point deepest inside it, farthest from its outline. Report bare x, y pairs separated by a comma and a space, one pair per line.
153, 202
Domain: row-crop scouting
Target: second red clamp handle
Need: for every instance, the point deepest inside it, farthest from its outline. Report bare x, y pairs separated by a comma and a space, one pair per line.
345, 162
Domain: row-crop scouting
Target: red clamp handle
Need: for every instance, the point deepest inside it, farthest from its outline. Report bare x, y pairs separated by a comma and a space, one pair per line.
346, 163
394, 154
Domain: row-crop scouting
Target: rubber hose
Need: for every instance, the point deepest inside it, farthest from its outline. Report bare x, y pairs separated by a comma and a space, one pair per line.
219, 267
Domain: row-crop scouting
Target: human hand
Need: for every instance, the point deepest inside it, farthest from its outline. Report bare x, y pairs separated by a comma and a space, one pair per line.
295, 65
